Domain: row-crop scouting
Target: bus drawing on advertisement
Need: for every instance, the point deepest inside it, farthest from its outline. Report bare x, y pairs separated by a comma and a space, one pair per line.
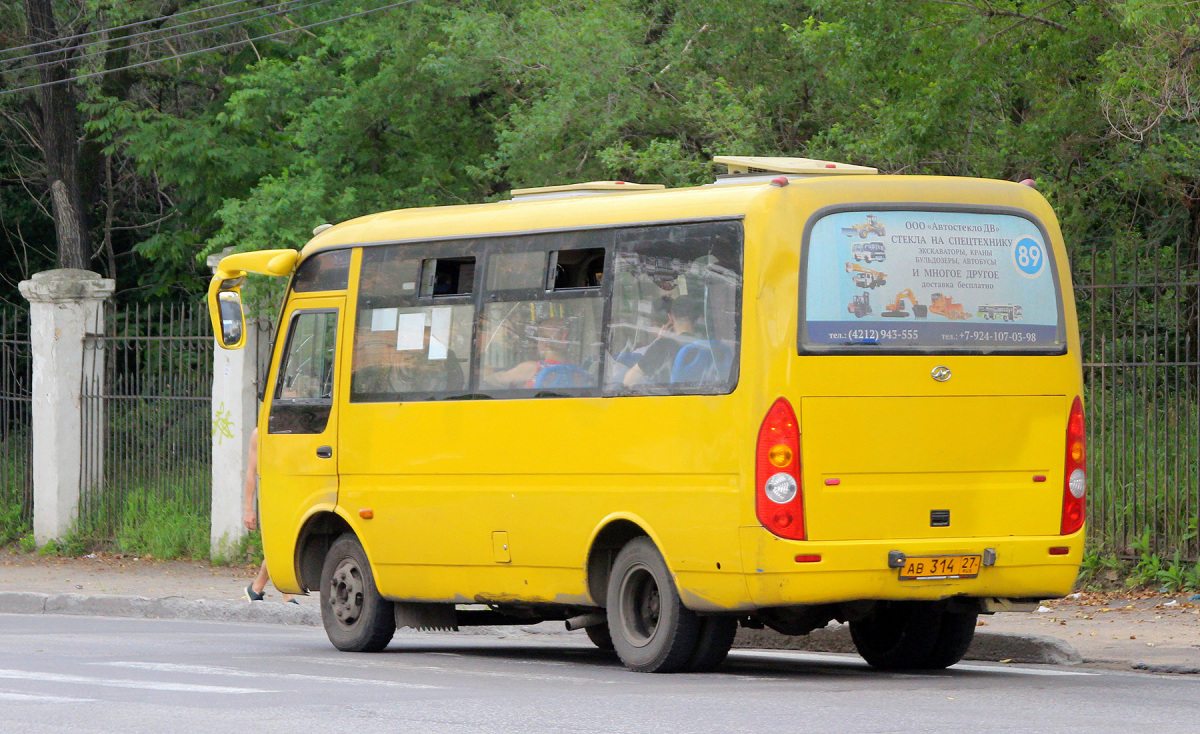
625, 408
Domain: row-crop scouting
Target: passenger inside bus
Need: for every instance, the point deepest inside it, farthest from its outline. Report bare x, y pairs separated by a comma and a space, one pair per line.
685, 315
553, 341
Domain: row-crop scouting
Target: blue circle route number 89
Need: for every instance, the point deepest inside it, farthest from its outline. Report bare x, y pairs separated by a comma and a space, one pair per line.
1029, 255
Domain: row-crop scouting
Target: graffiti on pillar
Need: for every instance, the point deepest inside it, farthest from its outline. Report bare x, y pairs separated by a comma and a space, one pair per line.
222, 424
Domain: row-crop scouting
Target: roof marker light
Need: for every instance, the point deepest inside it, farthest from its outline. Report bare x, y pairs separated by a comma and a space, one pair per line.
780, 181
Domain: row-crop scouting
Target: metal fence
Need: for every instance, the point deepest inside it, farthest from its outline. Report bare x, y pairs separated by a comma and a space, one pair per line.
1138, 319
147, 426
16, 419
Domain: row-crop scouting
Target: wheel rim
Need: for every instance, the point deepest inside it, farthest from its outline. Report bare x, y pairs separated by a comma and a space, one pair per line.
641, 605
346, 592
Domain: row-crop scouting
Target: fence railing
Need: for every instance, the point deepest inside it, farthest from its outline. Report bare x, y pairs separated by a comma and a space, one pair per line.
147, 426
16, 420
1138, 319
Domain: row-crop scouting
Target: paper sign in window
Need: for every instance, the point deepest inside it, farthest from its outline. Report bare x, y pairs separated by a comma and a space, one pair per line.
410, 331
383, 319
439, 333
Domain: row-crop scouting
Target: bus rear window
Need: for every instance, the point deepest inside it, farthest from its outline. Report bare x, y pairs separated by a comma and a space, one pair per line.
928, 281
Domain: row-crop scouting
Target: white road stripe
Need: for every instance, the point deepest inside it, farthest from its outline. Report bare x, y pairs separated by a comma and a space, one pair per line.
239, 673
38, 698
119, 683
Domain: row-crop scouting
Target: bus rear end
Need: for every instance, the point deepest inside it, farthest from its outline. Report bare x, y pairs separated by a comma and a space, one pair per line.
924, 459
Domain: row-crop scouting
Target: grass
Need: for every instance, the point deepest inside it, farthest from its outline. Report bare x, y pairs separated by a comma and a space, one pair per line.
246, 551
1104, 571
1143, 447
15, 522
161, 527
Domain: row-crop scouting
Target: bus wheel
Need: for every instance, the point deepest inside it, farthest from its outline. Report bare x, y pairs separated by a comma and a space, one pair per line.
898, 636
713, 643
356, 617
651, 630
954, 638
600, 636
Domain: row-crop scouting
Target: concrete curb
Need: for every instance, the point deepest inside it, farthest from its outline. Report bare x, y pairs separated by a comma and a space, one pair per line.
989, 646
171, 607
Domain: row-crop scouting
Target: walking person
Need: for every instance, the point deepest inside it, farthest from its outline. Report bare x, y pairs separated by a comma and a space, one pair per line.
254, 590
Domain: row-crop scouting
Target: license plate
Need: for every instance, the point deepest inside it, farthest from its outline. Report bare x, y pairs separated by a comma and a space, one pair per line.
940, 567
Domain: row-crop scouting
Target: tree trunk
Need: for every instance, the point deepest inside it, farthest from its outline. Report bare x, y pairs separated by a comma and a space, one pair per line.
58, 134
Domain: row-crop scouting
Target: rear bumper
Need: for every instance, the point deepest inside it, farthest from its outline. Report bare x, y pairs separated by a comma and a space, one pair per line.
853, 570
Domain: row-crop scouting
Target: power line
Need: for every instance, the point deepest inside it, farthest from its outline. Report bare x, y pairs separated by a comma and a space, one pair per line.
159, 39
206, 50
121, 27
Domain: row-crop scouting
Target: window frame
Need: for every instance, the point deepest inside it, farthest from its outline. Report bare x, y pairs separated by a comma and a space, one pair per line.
804, 348
423, 251
527, 242
286, 403
483, 246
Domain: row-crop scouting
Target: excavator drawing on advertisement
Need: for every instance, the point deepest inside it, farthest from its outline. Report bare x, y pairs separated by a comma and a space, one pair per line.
944, 305
895, 309
865, 277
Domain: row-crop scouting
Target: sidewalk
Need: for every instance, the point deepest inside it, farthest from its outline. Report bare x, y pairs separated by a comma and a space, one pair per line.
1131, 631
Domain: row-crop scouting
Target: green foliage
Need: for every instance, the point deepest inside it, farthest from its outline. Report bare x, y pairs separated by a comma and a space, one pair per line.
162, 527
1148, 566
27, 543
12, 525
14, 520
246, 551
75, 543
1099, 569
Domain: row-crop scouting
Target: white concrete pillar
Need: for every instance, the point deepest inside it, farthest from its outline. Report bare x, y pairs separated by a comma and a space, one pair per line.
64, 307
234, 413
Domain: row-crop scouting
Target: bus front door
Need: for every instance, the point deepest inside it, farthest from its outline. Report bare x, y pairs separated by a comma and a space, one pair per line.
297, 451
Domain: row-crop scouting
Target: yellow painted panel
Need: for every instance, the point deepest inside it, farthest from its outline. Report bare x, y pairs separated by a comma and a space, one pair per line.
876, 468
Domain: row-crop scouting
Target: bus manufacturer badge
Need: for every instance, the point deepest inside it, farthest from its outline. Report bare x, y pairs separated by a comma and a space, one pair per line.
941, 373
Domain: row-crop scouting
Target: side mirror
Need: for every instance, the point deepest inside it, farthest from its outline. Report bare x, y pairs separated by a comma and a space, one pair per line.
225, 310
225, 290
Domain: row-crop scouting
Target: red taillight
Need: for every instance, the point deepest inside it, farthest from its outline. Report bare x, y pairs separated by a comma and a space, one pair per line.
778, 495
1074, 504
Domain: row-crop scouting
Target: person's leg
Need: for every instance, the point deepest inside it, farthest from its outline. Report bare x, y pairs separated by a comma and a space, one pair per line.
260, 581
254, 592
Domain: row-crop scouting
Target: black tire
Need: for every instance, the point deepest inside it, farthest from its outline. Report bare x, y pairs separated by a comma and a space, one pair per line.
356, 617
898, 635
651, 630
713, 643
600, 636
954, 638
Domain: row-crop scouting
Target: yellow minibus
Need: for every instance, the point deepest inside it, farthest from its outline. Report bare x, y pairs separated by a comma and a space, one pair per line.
659, 414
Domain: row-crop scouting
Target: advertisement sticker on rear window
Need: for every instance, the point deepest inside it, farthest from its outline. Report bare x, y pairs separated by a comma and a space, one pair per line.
930, 280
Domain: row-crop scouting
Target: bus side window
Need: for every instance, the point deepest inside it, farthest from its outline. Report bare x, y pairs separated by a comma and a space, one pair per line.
531, 336
325, 271
675, 318
304, 385
412, 338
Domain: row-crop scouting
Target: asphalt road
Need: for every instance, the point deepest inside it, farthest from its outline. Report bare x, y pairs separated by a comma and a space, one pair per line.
62, 673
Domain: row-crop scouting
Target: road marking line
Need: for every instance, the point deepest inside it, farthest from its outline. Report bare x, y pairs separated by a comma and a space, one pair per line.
119, 683
40, 698
239, 673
